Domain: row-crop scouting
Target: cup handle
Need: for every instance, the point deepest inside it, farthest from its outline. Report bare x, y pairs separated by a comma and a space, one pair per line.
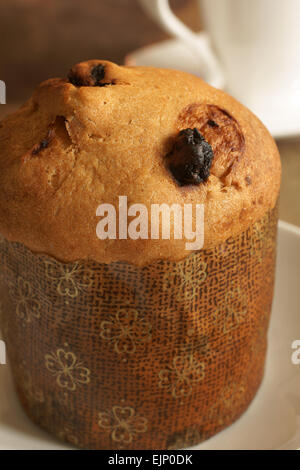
160, 11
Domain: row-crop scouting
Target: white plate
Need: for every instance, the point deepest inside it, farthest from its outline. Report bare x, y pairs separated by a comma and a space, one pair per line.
272, 420
282, 122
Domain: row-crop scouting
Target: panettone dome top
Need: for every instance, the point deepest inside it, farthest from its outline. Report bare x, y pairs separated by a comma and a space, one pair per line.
108, 131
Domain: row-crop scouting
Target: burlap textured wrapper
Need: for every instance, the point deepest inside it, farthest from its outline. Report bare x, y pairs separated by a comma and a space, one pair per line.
120, 357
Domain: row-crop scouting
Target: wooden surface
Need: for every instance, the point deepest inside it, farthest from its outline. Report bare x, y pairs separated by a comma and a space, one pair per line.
43, 38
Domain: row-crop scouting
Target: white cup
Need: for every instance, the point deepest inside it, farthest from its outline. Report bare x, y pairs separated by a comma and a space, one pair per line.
255, 51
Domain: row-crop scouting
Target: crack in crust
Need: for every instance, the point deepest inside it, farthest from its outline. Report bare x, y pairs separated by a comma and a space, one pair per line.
50, 170
221, 131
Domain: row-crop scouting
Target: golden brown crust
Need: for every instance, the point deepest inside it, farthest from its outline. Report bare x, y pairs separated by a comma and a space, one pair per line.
71, 148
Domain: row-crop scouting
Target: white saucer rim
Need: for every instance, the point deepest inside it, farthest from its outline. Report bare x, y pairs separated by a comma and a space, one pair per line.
289, 227
129, 57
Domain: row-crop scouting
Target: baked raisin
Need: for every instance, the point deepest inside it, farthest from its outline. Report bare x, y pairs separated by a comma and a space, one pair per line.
98, 74
80, 76
212, 123
227, 139
191, 158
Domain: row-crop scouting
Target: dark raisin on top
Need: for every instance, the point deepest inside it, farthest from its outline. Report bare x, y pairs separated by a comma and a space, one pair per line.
93, 77
226, 139
191, 158
98, 74
212, 123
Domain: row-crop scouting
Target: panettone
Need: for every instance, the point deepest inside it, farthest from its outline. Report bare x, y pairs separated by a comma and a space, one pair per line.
123, 343
107, 141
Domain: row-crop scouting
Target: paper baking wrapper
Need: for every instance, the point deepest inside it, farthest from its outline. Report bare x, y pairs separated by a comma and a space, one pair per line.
114, 356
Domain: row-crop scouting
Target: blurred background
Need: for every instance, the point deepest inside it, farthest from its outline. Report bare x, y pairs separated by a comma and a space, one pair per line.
44, 38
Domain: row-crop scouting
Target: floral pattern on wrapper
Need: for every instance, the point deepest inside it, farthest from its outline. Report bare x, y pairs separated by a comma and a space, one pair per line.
68, 371
123, 424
